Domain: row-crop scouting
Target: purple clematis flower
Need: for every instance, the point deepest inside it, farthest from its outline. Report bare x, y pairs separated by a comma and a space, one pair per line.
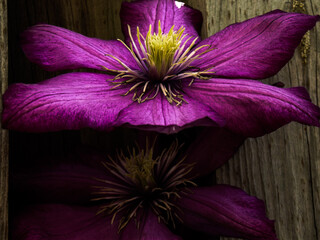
137, 195
163, 77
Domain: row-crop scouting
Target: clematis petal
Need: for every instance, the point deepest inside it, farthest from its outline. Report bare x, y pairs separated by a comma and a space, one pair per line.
144, 13
149, 229
252, 108
191, 19
211, 149
69, 101
62, 222
227, 211
79, 100
159, 115
257, 48
55, 48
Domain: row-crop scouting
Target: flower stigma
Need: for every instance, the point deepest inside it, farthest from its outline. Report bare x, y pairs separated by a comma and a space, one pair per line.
139, 182
164, 61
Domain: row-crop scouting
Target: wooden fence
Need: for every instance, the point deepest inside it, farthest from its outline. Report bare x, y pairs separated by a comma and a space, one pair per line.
282, 168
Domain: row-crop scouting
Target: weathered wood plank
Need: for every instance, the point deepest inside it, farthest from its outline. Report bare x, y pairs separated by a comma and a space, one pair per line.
4, 168
281, 168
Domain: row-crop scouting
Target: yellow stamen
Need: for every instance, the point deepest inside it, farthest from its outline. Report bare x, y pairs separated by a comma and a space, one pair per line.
164, 61
143, 181
140, 168
161, 49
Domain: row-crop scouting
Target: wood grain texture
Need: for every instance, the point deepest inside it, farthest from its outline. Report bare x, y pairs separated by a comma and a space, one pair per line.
281, 168
4, 168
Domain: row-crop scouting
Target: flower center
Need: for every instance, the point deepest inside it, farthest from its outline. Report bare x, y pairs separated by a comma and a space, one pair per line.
141, 182
161, 49
140, 169
164, 65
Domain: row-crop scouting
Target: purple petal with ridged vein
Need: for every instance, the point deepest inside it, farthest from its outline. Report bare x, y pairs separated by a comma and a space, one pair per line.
80, 100
257, 48
161, 116
252, 108
149, 229
69, 101
226, 211
55, 48
144, 13
62, 222
189, 18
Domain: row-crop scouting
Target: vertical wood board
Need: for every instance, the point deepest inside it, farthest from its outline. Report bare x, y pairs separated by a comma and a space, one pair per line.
281, 168
4, 168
